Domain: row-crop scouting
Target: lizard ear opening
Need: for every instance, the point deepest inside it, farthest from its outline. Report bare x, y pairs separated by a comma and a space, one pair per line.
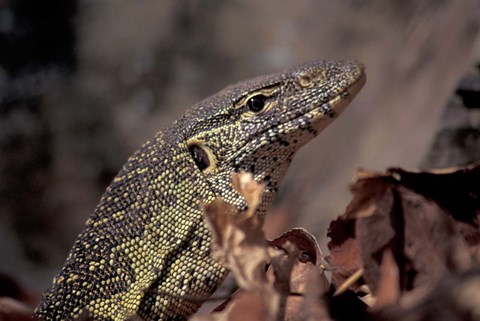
202, 156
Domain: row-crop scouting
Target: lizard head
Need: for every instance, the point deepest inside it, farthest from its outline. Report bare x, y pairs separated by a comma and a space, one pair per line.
258, 125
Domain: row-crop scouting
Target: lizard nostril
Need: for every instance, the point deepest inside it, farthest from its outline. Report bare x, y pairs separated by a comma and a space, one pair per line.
304, 80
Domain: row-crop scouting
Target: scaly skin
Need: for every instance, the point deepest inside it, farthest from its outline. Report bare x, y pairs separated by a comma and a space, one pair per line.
145, 249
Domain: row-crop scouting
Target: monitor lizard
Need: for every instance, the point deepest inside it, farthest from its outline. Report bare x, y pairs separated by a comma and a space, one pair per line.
145, 249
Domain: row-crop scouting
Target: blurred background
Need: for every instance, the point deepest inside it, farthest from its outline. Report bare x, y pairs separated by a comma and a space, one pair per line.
84, 83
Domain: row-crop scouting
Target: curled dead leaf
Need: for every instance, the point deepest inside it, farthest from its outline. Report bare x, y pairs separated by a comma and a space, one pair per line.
294, 260
388, 292
417, 216
237, 238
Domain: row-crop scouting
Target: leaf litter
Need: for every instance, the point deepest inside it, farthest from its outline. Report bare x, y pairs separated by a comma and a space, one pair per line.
406, 249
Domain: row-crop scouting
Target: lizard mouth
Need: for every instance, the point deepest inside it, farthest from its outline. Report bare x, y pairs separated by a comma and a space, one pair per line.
338, 103
307, 121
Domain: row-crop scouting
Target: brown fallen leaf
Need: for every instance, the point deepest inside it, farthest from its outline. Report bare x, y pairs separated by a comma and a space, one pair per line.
407, 213
309, 258
237, 239
457, 190
294, 260
388, 292
344, 257
456, 297
239, 243
371, 194
306, 281
313, 307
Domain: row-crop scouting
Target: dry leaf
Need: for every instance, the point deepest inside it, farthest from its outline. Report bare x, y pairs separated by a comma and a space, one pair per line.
237, 239
417, 216
455, 298
294, 260
302, 268
457, 190
313, 307
309, 258
344, 257
239, 243
388, 291
371, 194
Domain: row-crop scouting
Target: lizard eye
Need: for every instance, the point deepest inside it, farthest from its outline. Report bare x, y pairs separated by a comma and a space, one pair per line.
200, 156
256, 103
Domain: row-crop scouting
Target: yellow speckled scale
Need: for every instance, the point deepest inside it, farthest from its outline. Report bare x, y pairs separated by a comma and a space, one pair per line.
146, 250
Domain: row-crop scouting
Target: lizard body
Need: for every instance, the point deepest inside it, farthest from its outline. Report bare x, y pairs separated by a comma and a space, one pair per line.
146, 245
